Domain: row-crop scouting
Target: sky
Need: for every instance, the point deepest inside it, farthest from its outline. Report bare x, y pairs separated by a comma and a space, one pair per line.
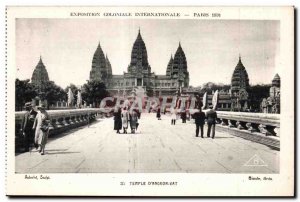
212, 47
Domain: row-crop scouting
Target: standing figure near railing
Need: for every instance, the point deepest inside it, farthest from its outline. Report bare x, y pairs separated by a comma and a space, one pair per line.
41, 124
125, 120
158, 115
211, 115
133, 118
27, 124
183, 115
118, 120
199, 117
173, 116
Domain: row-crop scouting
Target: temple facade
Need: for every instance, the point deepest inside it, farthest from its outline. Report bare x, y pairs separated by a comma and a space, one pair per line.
139, 79
139, 76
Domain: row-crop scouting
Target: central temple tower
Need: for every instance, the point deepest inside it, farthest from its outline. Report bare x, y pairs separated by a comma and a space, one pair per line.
239, 88
139, 66
40, 75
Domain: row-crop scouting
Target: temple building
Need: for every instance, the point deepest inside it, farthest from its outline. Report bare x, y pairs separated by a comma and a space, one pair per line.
39, 78
237, 98
139, 76
100, 66
271, 104
239, 88
275, 89
40, 75
139, 79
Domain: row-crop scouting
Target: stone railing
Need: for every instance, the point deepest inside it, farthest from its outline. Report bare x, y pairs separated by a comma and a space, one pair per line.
60, 121
267, 124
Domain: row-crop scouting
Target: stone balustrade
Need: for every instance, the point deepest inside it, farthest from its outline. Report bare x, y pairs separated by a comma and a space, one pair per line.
62, 120
252, 126
267, 124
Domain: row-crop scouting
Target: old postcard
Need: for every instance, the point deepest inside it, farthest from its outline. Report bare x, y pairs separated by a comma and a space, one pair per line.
150, 101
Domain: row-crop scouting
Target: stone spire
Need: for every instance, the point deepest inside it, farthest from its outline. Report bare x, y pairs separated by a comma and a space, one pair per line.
276, 81
108, 67
40, 74
139, 57
180, 67
170, 66
99, 70
239, 79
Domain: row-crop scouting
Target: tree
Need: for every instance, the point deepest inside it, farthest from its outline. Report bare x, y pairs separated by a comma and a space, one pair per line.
257, 93
25, 92
209, 87
74, 90
93, 92
52, 93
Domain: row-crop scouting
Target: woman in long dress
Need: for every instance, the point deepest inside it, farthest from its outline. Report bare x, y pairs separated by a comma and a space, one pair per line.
133, 117
158, 115
118, 120
173, 116
41, 124
125, 119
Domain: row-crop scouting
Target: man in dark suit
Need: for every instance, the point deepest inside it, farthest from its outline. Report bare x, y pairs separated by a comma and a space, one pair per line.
27, 124
183, 115
211, 115
199, 117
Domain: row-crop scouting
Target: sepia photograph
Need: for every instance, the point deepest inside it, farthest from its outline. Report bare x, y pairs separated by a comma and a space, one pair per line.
149, 91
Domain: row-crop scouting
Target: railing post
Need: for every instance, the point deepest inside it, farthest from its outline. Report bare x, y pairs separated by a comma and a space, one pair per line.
72, 120
267, 130
81, 118
231, 124
240, 125
277, 131
52, 124
224, 122
76, 119
65, 122
58, 123
252, 127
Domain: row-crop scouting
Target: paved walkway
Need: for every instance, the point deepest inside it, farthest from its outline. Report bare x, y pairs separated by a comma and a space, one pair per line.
157, 147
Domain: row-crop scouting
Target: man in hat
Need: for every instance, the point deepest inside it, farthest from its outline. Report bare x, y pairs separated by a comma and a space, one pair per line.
199, 117
211, 115
27, 124
41, 124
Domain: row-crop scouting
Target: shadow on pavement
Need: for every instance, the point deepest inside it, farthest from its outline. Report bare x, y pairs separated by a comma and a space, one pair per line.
57, 149
53, 153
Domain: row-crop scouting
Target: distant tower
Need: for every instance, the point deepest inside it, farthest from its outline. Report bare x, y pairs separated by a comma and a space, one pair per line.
274, 99
276, 81
139, 66
39, 78
40, 75
170, 67
239, 79
99, 70
108, 67
179, 70
239, 87
139, 57
271, 104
